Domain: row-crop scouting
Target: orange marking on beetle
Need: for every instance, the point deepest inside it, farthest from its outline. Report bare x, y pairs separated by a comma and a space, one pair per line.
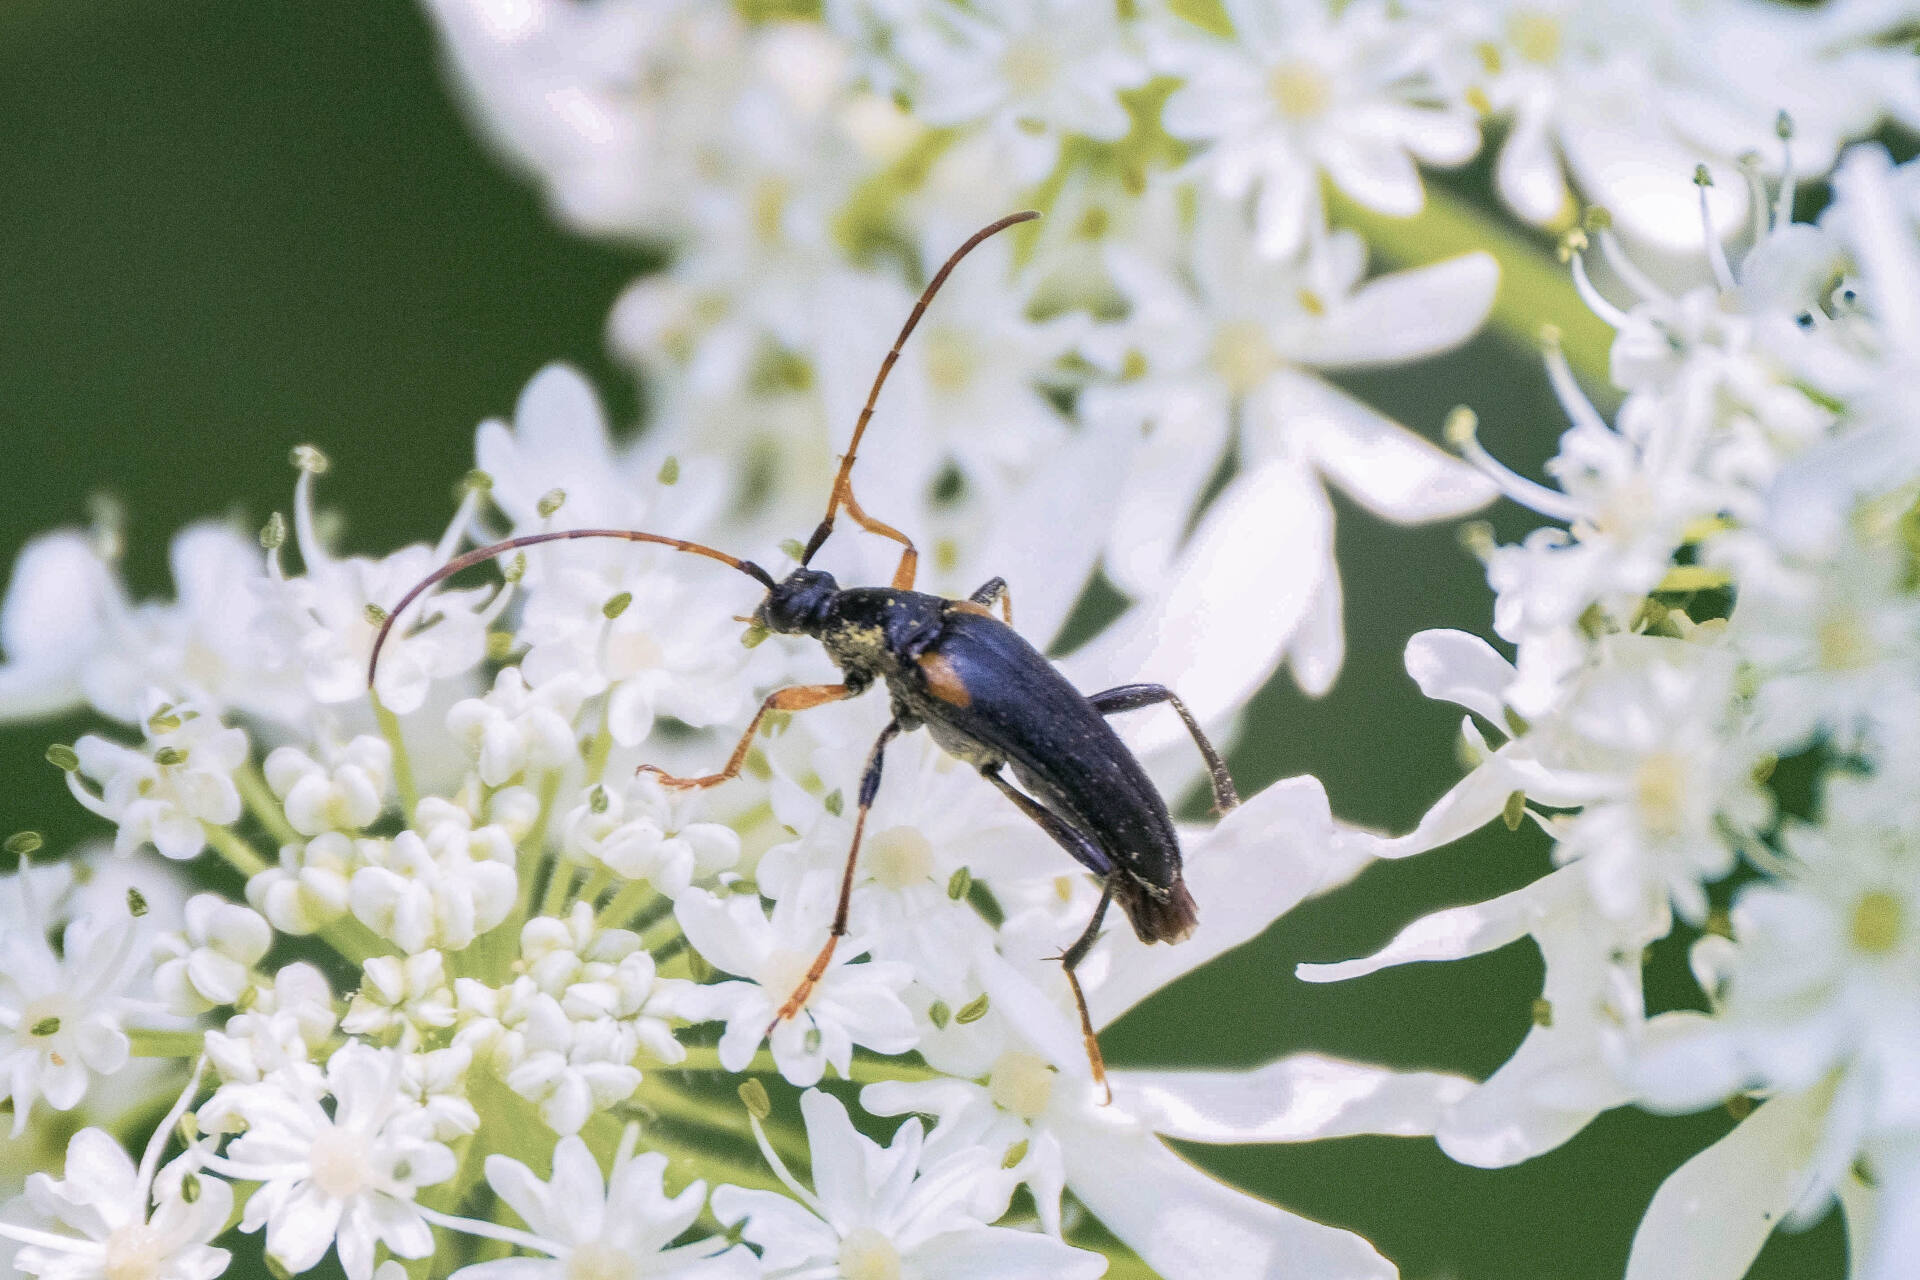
943, 682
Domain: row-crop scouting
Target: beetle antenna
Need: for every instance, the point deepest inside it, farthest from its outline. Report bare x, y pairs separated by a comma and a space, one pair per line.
842, 495
480, 555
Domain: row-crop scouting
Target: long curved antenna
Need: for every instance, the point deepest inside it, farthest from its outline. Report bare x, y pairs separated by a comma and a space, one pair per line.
480, 555
842, 495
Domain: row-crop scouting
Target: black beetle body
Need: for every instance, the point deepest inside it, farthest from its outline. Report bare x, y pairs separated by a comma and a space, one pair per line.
990, 698
986, 695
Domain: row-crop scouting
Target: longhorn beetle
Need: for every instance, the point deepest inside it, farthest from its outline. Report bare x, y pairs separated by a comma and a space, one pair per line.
986, 695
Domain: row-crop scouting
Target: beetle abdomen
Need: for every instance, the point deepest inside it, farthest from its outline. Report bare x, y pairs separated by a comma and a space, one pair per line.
998, 691
1157, 916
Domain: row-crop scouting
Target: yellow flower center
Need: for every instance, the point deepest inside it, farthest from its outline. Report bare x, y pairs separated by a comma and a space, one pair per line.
1844, 642
1877, 921
867, 1255
1021, 1083
134, 1252
1300, 89
1244, 355
1028, 67
1660, 792
898, 857
1537, 37
597, 1261
951, 359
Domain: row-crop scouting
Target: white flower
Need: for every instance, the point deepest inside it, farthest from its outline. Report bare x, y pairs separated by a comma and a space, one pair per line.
211, 962
441, 884
878, 1212
162, 795
620, 108
933, 818
1032, 71
850, 1004
1022, 1074
1305, 88
311, 887
1572, 1064
513, 729
623, 1225
345, 794
644, 831
566, 1032
286, 1026
71, 635
321, 624
104, 1201
344, 1179
1628, 99
62, 1017
408, 996
1235, 338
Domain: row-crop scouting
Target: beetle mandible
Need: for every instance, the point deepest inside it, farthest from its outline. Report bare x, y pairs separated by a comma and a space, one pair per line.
987, 696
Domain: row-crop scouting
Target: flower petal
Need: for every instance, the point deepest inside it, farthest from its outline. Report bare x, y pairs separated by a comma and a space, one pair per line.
1297, 1099
1259, 862
1377, 462
1457, 667
1404, 315
1208, 635
1187, 1226
1711, 1216
1457, 932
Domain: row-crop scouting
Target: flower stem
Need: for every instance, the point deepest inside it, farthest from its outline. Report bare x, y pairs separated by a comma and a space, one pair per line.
166, 1044
625, 904
402, 766
234, 851
262, 805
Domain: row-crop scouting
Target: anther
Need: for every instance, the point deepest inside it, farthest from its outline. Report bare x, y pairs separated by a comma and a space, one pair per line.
309, 459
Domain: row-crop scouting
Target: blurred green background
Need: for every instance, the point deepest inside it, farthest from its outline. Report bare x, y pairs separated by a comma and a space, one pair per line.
230, 226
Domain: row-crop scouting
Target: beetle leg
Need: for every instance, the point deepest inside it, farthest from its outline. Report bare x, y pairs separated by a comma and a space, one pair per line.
797, 698
1064, 834
1089, 856
869, 788
1071, 961
993, 589
1131, 697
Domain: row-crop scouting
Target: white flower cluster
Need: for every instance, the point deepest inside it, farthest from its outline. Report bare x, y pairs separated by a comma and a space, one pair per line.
1727, 600
481, 935
520, 947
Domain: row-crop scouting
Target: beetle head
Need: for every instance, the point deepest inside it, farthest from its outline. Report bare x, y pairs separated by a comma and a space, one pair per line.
798, 603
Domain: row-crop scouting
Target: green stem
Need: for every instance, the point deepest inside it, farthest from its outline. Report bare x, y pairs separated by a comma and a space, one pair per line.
533, 849
559, 888
263, 805
1536, 289
596, 885
625, 904
728, 1117
234, 851
402, 766
598, 751
166, 1044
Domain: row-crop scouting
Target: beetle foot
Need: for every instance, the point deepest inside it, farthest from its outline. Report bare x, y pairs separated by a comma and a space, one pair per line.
674, 782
